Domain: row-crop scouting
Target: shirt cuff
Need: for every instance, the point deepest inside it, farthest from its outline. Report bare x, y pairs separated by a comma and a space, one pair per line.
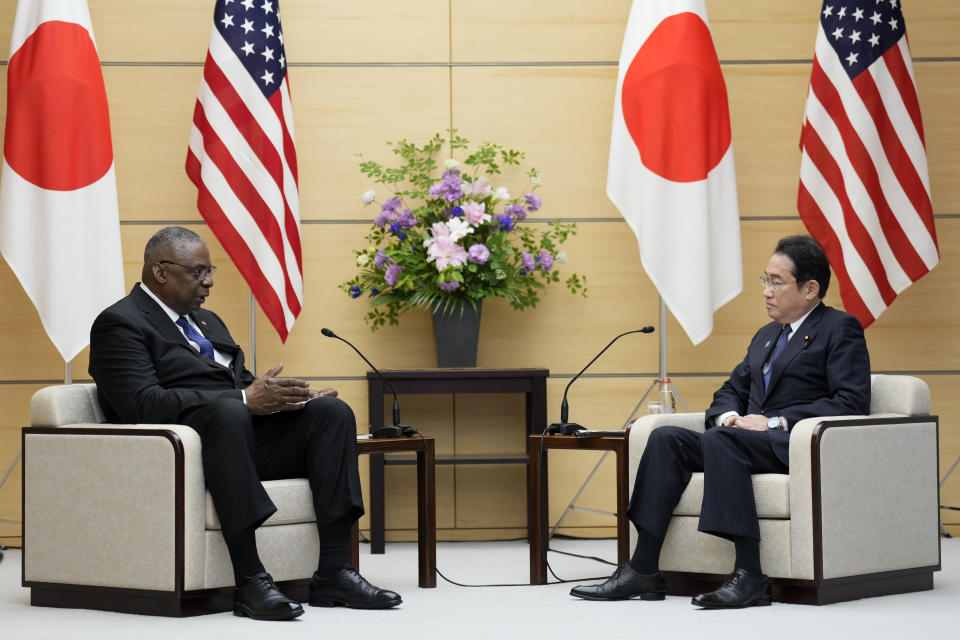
724, 416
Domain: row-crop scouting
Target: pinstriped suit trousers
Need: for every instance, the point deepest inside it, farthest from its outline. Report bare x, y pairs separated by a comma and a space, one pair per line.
727, 456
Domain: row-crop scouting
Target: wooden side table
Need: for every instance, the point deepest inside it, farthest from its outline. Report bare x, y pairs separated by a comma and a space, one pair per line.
426, 502
538, 496
530, 382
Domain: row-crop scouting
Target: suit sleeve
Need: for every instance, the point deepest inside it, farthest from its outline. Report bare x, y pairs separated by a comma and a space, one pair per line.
734, 394
127, 378
848, 377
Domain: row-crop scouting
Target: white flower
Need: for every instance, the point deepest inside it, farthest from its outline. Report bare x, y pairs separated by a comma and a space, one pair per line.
363, 260
561, 257
535, 182
451, 164
458, 228
368, 196
501, 194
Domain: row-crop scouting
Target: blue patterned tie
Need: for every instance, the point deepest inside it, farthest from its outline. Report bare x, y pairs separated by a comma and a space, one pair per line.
781, 343
206, 347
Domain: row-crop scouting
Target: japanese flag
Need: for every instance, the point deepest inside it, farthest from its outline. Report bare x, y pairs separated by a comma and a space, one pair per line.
59, 222
671, 169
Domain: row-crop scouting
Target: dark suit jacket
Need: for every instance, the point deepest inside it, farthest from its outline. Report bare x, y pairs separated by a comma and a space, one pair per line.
823, 371
145, 369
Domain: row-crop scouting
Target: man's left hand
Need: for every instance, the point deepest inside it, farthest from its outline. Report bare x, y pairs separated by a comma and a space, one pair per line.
752, 422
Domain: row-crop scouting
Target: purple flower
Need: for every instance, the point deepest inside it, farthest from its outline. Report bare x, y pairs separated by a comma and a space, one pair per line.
546, 260
355, 291
382, 219
506, 223
516, 211
380, 259
456, 212
451, 285
393, 272
393, 204
478, 254
402, 235
406, 219
374, 291
394, 227
450, 188
533, 202
528, 261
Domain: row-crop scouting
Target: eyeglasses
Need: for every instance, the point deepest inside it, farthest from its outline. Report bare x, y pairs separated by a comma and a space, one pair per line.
773, 285
200, 273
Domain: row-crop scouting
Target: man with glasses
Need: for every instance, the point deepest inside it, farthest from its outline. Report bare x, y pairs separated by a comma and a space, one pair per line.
158, 357
810, 361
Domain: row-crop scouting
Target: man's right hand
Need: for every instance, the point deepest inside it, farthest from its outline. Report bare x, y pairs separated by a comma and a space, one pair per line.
269, 394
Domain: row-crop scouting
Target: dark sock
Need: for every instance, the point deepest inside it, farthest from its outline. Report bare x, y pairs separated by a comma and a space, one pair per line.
334, 546
244, 556
646, 556
748, 555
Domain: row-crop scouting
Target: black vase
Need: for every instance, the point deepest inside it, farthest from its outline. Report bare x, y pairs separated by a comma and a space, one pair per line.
456, 330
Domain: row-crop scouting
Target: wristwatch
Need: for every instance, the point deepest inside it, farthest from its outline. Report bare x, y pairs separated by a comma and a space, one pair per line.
775, 423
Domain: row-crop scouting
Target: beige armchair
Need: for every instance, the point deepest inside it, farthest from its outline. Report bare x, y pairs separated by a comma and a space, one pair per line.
116, 517
856, 516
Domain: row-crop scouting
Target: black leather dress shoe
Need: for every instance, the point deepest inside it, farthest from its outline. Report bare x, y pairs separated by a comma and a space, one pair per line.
259, 598
347, 588
741, 589
625, 583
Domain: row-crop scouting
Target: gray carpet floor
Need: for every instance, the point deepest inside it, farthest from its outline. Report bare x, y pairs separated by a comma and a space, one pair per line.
455, 612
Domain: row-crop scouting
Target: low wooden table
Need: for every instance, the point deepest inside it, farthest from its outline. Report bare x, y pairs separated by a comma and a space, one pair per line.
529, 381
426, 502
538, 497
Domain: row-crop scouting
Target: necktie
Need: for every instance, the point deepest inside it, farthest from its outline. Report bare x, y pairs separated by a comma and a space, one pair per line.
781, 343
206, 347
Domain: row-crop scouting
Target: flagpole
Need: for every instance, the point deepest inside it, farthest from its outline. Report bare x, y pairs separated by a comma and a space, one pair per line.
663, 339
68, 373
253, 334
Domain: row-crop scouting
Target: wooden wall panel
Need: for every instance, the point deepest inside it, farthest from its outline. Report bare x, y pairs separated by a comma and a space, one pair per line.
567, 30
314, 30
336, 114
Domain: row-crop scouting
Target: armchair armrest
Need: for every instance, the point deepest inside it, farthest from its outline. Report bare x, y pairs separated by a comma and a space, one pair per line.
130, 493
863, 489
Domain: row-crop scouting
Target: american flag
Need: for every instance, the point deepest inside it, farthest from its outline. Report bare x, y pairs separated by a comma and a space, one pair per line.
864, 187
242, 155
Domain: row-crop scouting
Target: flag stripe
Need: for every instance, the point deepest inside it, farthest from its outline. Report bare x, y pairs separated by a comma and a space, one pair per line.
826, 188
849, 150
239, 251
833, 246
248, 197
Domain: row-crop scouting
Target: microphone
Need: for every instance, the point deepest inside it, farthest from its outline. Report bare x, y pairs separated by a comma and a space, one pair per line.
396, 430
565, 428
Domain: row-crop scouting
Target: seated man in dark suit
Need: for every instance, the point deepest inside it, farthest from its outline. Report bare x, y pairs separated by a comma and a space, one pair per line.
810, 361
157, 357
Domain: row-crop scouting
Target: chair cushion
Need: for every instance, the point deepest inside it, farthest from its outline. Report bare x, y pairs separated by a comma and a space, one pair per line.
293, 499
770, 490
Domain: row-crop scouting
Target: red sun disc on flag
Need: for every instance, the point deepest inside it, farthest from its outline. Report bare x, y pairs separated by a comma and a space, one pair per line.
58, 125
674, 101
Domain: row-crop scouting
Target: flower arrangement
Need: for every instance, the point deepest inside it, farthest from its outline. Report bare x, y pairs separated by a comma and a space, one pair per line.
439, 241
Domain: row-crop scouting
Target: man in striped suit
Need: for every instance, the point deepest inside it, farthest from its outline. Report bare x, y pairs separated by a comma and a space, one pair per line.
810, 361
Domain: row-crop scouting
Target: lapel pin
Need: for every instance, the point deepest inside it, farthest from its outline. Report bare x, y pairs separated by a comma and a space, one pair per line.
205, 324
766, 345
806, 338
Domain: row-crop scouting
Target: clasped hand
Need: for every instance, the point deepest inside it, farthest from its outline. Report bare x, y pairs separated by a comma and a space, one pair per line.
269, 394
752, 422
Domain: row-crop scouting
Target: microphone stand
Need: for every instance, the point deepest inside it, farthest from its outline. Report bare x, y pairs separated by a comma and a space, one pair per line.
565, 428
396, 430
